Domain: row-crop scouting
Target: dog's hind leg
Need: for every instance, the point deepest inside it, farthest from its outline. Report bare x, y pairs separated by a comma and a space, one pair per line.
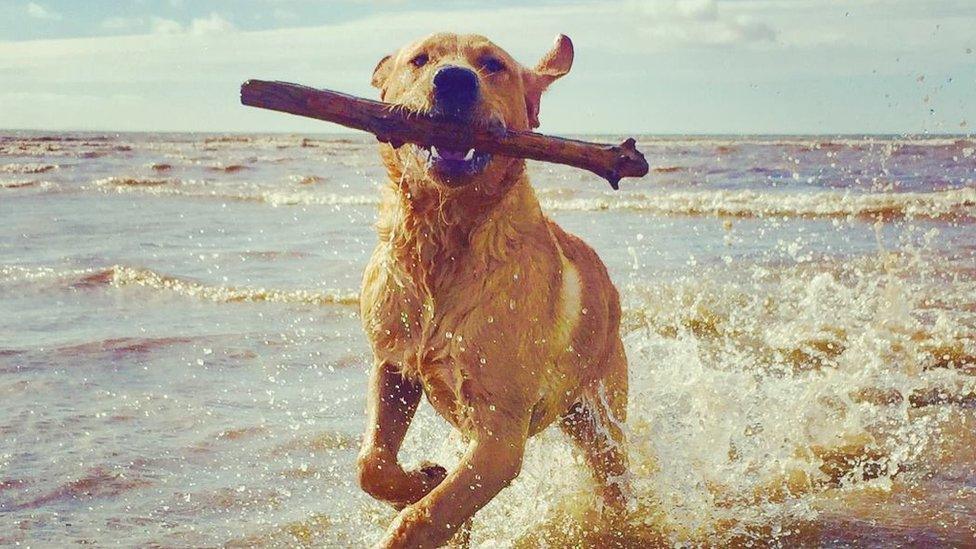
596, 424
391, 402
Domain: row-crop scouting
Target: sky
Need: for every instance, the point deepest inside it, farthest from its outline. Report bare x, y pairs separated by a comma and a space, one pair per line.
642, 66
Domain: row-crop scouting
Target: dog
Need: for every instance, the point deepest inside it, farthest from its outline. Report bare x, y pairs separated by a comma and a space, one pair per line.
474, 298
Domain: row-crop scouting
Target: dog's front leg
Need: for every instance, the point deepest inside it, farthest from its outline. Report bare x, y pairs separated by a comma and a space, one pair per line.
492, 461
390, 404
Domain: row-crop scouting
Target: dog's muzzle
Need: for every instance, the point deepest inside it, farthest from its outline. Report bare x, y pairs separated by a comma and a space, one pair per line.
456, 94
455, 91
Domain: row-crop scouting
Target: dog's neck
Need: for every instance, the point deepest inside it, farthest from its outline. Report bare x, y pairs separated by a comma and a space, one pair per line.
430, 229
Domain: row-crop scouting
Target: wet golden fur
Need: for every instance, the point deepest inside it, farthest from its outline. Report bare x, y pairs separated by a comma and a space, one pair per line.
475, 298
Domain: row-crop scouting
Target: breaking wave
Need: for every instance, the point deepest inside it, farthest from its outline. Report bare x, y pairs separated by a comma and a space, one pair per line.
754, 412
199, 189
949, 204
952, 204
228, 168
122, 182
29, 184
120, 276
27, 168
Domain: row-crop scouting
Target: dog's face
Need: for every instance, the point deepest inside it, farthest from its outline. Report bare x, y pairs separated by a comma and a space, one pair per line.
466, 78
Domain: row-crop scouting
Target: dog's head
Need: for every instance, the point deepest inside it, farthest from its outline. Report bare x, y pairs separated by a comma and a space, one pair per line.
467, 78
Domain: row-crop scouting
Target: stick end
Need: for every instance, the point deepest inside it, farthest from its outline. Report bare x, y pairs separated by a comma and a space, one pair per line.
630, 162
247, 90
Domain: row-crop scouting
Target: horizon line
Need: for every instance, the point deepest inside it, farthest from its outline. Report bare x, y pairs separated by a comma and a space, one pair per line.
344, 133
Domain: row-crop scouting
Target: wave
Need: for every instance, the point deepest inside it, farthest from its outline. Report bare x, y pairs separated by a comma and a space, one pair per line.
123, 345
747, 407
949, 204
120, 276
952, 204
28, 184
806, 142
763, 398
134, 182
200, 189
99, 482
306, 179
230, 139
229, 168
62, 138
28, 168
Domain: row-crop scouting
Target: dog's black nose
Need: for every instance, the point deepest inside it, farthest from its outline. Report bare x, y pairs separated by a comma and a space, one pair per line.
455, 90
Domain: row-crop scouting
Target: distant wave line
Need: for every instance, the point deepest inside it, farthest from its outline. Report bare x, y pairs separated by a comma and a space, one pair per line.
956, 204
120, 276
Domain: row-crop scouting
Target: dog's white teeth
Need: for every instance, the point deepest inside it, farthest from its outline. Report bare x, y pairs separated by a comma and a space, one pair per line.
469, 155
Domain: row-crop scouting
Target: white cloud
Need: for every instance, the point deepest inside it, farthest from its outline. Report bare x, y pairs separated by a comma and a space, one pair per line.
706, 10
699, 22
38, 11
213, 23
165, 26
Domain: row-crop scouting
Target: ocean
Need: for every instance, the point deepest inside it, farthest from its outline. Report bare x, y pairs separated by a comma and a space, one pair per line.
181, 360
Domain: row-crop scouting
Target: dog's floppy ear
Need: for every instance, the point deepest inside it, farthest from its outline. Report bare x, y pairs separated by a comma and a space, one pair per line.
555, 64
382, 71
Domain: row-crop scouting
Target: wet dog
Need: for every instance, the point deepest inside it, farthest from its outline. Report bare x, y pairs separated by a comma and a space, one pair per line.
476, 299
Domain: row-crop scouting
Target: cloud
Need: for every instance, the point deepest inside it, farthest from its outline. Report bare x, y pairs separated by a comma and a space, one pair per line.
281, 14
123, 23
700, 22
212, 24
165, 26
38, 11
660, 62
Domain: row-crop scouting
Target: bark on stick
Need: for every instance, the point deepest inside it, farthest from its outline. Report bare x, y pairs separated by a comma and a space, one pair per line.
396, 126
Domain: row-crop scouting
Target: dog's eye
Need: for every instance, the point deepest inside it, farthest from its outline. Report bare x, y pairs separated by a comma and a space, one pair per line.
419, 60
491, 65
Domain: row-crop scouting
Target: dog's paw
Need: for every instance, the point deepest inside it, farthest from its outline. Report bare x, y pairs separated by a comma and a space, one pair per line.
434, 472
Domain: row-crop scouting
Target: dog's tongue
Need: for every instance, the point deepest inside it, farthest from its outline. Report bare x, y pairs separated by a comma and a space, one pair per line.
448, 154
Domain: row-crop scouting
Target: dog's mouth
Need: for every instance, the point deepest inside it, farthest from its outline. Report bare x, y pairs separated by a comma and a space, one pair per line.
454, 165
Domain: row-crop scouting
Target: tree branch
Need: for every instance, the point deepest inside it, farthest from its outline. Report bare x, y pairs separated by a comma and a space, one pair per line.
396, 126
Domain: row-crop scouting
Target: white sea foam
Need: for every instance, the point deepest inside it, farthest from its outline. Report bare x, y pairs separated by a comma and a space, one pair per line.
753, 404
120, 276
947, 204
27, 168
246, 193
954, 203
29, 185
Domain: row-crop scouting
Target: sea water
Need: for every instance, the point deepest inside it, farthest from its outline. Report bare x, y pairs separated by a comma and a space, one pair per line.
181, 360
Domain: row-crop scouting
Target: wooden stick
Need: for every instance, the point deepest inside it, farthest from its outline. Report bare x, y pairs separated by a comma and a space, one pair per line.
396, 126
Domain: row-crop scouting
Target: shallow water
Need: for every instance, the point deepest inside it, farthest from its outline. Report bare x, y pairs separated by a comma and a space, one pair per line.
181, 362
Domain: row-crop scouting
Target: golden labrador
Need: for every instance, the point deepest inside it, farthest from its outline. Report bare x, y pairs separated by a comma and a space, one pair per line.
475, 298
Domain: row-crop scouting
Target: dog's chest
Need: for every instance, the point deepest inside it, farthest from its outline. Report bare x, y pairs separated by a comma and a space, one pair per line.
406, 321
422, 334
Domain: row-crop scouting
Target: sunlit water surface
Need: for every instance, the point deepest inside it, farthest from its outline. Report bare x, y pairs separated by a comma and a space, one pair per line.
181, 362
